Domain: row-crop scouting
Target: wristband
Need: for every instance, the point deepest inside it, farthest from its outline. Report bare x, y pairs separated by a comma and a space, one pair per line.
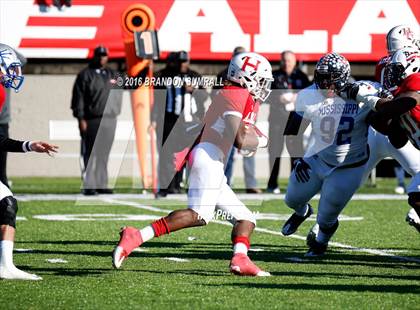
26, 146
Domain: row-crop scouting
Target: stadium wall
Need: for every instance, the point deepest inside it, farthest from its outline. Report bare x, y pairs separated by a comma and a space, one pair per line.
42, 111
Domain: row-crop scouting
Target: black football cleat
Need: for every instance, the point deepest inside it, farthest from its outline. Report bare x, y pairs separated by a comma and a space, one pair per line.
316, 249
293, 223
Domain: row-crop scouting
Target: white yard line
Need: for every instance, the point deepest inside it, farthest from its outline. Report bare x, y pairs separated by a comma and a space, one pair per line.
182, 197
277, 233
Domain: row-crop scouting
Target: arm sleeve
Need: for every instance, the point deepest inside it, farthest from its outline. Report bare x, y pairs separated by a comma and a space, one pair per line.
294, 124
10, 145
77, 100
397, 106
236, 101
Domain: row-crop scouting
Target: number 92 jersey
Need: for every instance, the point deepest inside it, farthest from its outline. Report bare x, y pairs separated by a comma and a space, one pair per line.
339, 126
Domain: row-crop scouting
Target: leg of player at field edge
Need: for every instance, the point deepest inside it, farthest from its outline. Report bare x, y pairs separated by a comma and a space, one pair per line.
338, 188
204, 196
230, 208
8, 210
299, 193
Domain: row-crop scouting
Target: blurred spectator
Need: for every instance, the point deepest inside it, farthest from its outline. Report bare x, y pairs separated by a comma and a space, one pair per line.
248, 162
44, 5
180, 104
286, 82
96, 109
4, 126
60, 4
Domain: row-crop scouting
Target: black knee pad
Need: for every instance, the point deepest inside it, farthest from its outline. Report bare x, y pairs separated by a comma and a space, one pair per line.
329, 230
8, 211
414, 201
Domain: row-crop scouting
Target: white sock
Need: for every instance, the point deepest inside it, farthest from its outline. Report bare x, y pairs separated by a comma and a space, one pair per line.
240, 248
6, 253
147, 233
302, 211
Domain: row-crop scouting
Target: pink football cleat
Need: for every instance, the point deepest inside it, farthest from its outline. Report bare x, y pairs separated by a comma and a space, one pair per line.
130, 239
242, 265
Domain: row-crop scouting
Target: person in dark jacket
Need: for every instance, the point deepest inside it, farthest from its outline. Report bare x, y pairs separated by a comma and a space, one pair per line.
96, 109
287, 81
181, 104
11, 78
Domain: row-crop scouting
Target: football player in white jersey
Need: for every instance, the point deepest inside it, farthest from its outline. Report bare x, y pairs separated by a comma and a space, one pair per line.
11, 77
335, 162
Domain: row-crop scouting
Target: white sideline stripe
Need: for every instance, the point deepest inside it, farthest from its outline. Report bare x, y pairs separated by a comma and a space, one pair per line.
134, 205
95, 217
59, 32
183, 197
22, 250
56, 261
93, 11
347, 247
177, 259
30, 52
272, 232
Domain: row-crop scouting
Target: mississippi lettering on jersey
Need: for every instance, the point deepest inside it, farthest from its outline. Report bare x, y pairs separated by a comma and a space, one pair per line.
339, 127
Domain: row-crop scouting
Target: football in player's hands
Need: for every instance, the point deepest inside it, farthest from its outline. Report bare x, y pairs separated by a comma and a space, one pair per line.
251, 138
262, 138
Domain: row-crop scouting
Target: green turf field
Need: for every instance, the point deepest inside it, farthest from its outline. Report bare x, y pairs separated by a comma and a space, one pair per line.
45, 185
382, 272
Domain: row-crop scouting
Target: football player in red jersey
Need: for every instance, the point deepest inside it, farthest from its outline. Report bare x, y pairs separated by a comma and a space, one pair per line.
11, 77
398, 37
382, 146
229, 120
399, 118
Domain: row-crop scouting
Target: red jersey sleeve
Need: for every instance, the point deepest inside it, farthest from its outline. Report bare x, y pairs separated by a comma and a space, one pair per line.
236, 99
411, 83
2, 97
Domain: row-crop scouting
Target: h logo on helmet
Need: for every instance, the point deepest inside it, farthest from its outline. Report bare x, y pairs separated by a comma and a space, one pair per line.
247, 63
408, 33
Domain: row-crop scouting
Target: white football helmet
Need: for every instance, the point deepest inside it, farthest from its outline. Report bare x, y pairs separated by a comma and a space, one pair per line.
10, 68
403, 63
253, 71
400, 37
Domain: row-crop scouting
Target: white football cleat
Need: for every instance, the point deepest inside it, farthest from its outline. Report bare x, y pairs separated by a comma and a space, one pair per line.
413, 219
13, 273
